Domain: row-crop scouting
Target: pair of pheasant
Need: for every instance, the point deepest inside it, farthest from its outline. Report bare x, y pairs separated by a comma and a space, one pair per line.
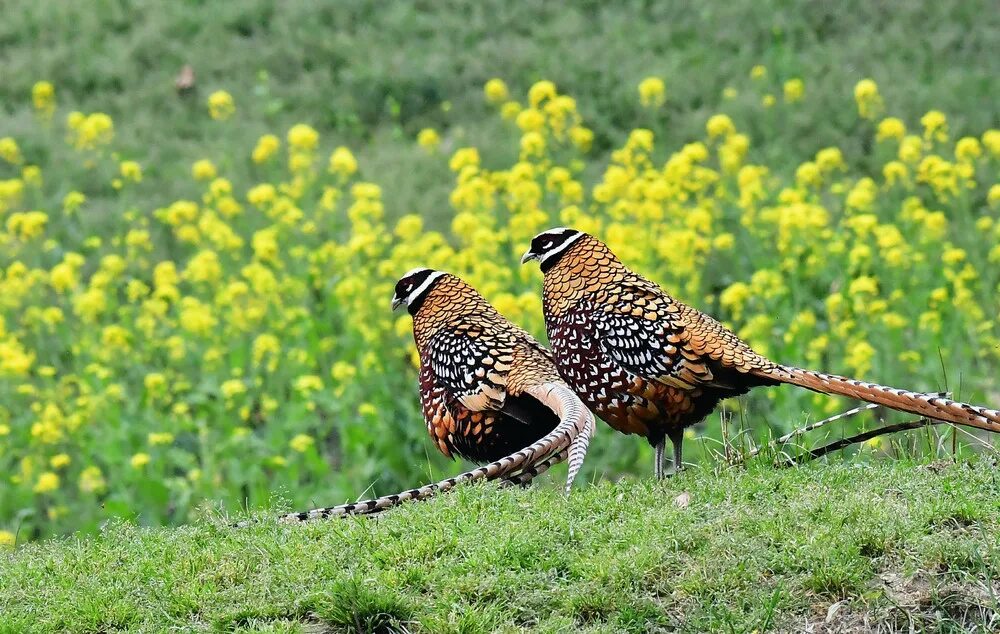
642, 361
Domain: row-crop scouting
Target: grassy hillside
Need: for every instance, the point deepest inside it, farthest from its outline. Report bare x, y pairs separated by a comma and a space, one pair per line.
835, 548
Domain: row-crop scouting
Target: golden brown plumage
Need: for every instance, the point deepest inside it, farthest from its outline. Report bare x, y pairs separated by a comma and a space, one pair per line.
488, 390
650, 365
487, 387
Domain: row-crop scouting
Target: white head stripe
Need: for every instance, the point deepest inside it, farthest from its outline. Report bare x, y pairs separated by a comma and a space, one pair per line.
562, 247
413, 271
420, 290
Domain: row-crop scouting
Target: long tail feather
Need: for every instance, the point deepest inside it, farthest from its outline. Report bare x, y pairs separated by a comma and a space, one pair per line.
575, 422
527, 474
931, 405
571, 410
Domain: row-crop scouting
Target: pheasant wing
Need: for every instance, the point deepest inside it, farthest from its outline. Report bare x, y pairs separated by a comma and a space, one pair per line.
468, 362
651, 347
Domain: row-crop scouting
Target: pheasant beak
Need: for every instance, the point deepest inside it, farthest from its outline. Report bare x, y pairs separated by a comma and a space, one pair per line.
528, 256
397, 302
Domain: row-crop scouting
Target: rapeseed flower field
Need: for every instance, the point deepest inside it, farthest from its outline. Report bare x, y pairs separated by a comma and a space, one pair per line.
238, 343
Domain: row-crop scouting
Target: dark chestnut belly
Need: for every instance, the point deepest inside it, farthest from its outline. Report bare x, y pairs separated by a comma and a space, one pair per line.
628, 403
483, 439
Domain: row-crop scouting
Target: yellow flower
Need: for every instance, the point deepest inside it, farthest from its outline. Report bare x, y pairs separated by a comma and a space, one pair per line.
953, 255
303, 137
868, 99
154, 382
991, 141
43, 97
910, 149
160, 438
7, 539
115, 337
265, 345
808, 175
859, 358
204, 267
89, 132
130, 170
530, 120
62, 277
719, 125
464, 157
27, 225
735, 297
261, 195
10, 152
794, 90
864, 285
993, 197
342, 162
968, 149
203, 170
232, 387
308, 384
409, 227
139, 460
582, 138
540, 91
509, 110
758, 72
935, 126
723, 242
532, 144
59, 461
768, 101
496, 91
196, 317
829, 159
652, 92
267, 146
221, 105
92, 480
428, 139
32, 175
890, 128
343, 371
301, 442
46, 483
73, 201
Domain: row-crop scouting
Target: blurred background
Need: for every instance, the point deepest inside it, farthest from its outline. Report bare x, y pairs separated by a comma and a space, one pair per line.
204, 207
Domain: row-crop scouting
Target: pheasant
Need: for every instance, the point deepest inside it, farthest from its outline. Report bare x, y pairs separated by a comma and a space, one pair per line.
487, 387
650, 365
488, 390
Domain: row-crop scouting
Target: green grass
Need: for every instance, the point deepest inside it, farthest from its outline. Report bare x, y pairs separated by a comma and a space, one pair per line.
893, 545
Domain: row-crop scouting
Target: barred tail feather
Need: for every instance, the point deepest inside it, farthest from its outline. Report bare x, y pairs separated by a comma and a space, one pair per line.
928, 405
527, 474
573, 414
578, 450
575, 421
